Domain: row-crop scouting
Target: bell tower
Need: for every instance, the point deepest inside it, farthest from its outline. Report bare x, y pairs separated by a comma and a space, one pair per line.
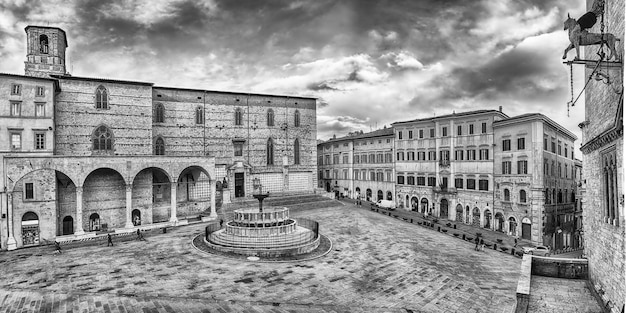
45, 48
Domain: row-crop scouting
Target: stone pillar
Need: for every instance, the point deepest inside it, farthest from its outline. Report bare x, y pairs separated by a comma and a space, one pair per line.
129, 206
11, 242
78, 230
173, 187
213, 208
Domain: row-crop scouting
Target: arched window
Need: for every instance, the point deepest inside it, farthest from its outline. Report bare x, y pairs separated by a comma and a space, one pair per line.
270, 152
296, 151
43, 44
573, 197
547, 200
102, 139
507, 195
159, 146
522, 196
102, 98
270, 117
238, 117
159, 113
199, 115
296, 119
559, 198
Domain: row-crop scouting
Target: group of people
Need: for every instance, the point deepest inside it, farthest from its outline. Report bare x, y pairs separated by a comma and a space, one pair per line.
480, 244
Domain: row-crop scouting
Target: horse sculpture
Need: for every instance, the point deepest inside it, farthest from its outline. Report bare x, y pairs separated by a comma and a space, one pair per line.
578, 37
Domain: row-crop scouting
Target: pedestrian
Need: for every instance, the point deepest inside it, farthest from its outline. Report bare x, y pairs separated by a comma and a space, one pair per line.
109, 240
515, 245
57, 247
221, 223
482, 245
138, 234
477, 241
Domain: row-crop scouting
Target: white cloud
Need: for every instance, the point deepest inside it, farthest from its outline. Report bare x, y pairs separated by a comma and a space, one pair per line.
402, 59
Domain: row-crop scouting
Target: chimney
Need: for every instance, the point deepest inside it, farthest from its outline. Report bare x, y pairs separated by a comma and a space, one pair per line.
500, 108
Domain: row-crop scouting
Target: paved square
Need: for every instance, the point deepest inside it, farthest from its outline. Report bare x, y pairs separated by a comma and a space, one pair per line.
377, 264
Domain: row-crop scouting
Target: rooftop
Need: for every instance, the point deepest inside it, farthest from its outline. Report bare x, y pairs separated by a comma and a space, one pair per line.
377, 133
453, 115
534, 116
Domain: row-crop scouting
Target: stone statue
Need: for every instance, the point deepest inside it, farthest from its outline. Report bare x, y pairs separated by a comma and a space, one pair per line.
224, 183
579, 36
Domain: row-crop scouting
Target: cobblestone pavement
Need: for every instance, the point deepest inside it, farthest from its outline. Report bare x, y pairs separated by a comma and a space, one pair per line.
377, 264
555, 295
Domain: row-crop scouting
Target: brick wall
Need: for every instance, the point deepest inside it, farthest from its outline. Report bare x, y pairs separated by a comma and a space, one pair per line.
604, 243
129, 117
104, 193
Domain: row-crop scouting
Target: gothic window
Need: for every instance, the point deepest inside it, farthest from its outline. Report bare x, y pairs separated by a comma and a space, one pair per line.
296, 119
43, 44
238, 117
270, 152
199, 115
102, 99
159, 113
522, 196
159, 146
507, 195
296, 151
270, 117
609, 185
102, 139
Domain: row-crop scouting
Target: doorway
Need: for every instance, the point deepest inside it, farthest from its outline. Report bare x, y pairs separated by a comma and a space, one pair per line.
526, 227
239, 185
136, 217
30, 229
68, 225
94, 222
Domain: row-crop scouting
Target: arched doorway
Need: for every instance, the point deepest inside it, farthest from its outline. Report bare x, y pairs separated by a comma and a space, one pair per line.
443, 208
68, 225
357, 193
380, 195
94, 222
30, 229
424, 205
526, 227
467, 215
368, 194
414, 205
327, 186
136, 217
512, 227
487, 218
459, 213
499, 222
476, 217
389, 195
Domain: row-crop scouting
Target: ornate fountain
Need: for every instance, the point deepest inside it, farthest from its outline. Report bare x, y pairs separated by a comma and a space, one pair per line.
268, 232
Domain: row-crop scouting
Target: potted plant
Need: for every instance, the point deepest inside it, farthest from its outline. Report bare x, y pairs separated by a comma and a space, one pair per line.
504, 249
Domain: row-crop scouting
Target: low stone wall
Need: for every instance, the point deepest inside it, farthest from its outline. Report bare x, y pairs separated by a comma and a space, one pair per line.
561, 268
549, 267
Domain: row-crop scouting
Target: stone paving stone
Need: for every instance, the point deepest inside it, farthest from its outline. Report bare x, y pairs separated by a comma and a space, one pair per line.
549, 294
377, 264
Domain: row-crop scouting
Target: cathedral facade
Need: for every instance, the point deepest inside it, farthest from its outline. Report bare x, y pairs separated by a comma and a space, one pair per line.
81, 155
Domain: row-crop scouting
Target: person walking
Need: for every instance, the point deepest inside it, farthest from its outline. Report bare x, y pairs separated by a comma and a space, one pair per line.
57, 247
477, 241
515, 245
482, 245
109, 240
221, 223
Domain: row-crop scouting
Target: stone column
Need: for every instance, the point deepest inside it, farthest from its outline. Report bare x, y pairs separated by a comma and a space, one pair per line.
78, 230
129, 206
213, 208
11, 242
173, 218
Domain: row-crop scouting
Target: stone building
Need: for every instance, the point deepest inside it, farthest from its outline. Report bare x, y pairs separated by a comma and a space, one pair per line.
535, 184
81, 155
444, 165
358, 165
603, 168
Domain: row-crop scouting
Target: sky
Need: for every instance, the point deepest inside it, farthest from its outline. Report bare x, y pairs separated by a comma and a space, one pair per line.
370, 63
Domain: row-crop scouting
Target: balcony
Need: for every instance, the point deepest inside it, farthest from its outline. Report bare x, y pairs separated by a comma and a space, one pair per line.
444, 190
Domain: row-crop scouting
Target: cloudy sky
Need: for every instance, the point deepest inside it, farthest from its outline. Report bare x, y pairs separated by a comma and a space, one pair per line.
370, 62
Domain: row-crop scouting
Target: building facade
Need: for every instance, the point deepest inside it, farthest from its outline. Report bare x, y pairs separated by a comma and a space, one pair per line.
603, 168
444, 166
85, 155
535, 183
359, 165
